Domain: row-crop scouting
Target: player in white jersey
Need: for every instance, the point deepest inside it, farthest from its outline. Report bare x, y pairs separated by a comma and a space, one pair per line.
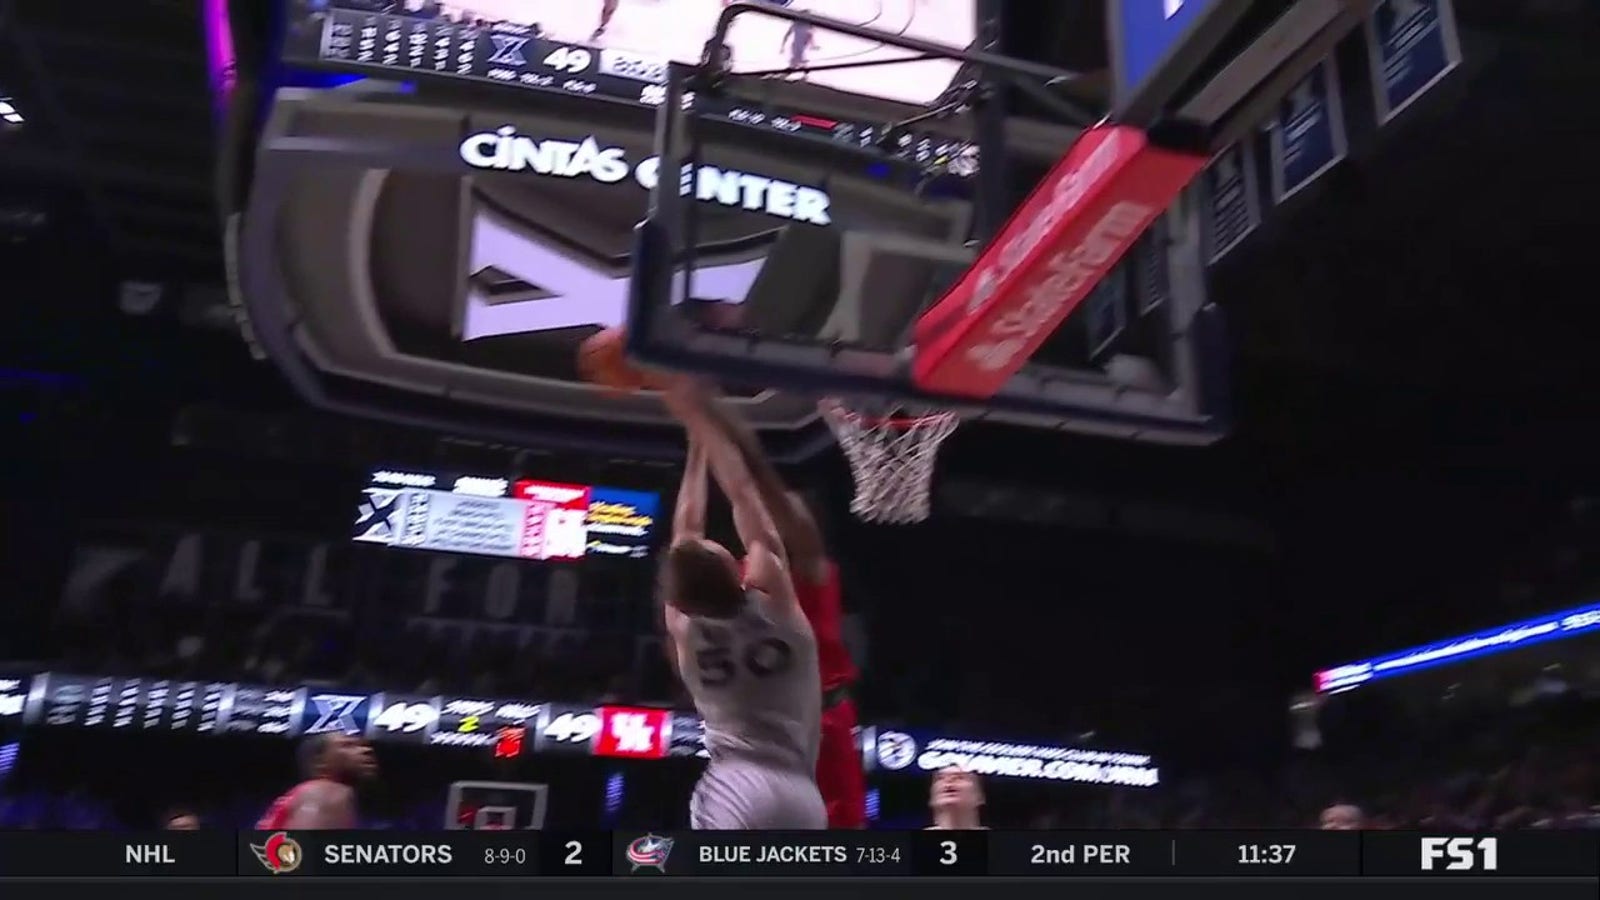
741, 644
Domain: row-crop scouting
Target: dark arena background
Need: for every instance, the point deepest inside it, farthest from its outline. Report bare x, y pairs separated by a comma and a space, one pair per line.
1217, 506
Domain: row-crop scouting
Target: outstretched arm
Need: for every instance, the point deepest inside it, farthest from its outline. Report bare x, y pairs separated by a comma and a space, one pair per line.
767, 561
802, 539
689, 518
688, 522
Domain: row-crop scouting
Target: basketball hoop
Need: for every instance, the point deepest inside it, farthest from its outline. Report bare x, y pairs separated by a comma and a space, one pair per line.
891, 458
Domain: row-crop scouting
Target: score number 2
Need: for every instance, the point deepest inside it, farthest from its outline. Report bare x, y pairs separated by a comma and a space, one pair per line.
576, 854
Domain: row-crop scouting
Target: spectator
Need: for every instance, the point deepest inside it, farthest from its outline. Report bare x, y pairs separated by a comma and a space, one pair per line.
180, 819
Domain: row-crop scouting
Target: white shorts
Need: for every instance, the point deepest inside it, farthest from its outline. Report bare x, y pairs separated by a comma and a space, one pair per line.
742, 795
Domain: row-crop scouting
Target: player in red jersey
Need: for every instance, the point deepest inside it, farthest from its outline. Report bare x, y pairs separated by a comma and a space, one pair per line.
332, 764
816, 586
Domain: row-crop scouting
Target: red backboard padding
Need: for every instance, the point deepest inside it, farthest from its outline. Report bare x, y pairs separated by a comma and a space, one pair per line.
1060, 243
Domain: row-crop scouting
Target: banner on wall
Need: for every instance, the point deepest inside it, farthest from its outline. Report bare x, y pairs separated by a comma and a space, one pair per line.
1308, 132
141, 563
922, 752
1411, 46
1232, 200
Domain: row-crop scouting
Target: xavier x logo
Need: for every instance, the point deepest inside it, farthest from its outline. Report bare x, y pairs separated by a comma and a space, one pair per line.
375, 518
336, 712
576, 291
508, 50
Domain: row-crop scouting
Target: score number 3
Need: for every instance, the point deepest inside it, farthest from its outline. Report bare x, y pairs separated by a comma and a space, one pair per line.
947, 853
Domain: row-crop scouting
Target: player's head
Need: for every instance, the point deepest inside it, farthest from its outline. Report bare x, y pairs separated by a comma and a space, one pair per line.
701, 578
180, 820
337, 757
1342, 817
955, 790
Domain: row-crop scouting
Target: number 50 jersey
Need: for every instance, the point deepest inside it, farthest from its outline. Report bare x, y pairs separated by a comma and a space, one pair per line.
754, 681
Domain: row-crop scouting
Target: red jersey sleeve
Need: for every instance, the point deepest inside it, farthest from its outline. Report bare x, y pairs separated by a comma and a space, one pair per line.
821, 601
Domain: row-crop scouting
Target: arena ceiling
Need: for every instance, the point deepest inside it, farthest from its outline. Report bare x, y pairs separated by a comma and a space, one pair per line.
1452, 254
1426, 319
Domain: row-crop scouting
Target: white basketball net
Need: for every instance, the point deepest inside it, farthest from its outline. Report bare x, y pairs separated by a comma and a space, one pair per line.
891, 459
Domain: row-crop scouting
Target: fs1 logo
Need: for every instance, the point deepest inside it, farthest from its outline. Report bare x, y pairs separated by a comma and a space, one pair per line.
1461, 854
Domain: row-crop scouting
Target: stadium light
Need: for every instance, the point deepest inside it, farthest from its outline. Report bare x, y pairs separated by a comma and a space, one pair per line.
9, 113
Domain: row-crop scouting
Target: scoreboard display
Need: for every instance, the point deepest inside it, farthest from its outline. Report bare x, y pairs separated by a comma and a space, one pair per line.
446, 721
502, 52
526, 519
507, 727
557, 47
621, 49
142, 704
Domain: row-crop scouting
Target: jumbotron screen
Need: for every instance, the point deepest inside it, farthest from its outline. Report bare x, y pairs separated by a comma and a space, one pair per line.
522, 519
619, 49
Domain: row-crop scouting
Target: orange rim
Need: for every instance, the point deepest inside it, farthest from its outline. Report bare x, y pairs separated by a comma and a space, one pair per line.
836, 406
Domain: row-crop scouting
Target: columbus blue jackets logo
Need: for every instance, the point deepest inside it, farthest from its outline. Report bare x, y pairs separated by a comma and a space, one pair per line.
649, 852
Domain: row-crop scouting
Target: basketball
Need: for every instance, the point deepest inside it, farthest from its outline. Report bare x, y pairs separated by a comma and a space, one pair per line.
603, 360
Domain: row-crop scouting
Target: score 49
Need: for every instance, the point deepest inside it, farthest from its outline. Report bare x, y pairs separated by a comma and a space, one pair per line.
572, 60
406, 718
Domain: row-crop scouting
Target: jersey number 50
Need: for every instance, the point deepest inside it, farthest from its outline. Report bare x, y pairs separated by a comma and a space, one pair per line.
719, 666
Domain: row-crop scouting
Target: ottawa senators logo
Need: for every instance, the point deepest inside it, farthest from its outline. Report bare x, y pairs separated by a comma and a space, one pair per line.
281, 854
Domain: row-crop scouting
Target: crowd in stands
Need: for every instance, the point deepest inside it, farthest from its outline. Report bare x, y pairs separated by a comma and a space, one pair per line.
1533, 766
1527, 765
372, 648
